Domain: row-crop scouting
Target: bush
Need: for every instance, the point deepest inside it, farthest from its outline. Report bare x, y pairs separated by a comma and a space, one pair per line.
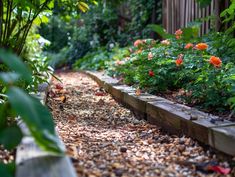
198, 72
99, 59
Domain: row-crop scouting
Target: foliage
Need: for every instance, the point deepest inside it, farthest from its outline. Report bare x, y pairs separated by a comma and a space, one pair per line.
16, 102
17, 18
107, 23
231, 100
204, 3
181, 64
99, 59
228, 16
18, 34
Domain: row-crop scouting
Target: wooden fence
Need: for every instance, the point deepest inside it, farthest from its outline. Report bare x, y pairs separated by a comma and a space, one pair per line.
178, 13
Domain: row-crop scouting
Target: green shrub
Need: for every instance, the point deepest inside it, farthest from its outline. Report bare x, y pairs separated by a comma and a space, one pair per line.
199, 73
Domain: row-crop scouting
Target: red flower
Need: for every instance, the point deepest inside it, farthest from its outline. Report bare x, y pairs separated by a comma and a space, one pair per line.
215, 61
179, 60
151, 73
188, 46
138, 42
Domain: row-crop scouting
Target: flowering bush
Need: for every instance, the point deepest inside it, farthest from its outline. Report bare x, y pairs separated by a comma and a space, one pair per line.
194, 71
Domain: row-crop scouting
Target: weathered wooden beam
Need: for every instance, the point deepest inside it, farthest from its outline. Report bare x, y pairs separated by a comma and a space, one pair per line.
47, 166
31, 161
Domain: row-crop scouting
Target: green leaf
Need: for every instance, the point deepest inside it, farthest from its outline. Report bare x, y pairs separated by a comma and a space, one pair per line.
37, 118
223, 13
95, 2
83, 6
6, 170
3, 115
204, 3
15, 64
160, 30
9, 77
6, 137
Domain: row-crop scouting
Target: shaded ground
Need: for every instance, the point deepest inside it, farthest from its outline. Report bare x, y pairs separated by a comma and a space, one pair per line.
104, 138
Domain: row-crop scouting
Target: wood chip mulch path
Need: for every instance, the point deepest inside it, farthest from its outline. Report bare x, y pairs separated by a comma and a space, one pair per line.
104, 139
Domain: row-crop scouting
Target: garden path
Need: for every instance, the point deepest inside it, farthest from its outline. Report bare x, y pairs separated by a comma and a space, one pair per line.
105, 139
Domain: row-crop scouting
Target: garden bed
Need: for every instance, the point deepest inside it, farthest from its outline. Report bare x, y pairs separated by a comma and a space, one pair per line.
184, 68
173, 117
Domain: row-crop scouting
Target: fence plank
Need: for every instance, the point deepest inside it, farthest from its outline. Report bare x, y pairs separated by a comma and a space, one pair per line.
177, 14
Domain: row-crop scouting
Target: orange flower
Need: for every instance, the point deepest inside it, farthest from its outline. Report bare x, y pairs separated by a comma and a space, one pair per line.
179, 60
215, 61
138, 42
188, 46
178, 32
150, 56
201, 46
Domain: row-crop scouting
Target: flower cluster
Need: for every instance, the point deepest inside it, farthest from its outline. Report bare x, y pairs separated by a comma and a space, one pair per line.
178, 34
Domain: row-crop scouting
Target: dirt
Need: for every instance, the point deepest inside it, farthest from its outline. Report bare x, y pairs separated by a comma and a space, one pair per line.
104, 139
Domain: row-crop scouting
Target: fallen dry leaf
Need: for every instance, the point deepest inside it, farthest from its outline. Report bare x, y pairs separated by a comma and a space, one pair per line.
61, 98
59, 86
99, 94
138, 92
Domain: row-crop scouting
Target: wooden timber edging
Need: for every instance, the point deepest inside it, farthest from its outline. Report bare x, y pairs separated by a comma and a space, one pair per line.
172, 117
31, 161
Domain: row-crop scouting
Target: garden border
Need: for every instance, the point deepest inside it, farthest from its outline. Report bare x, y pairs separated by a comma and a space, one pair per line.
172, 117
31, 161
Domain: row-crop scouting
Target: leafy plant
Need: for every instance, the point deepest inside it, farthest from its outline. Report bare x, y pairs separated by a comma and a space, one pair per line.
228, 16
16, 102
231, 100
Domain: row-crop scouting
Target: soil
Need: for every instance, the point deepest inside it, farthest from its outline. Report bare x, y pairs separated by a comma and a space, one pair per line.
175, 96
104, 139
